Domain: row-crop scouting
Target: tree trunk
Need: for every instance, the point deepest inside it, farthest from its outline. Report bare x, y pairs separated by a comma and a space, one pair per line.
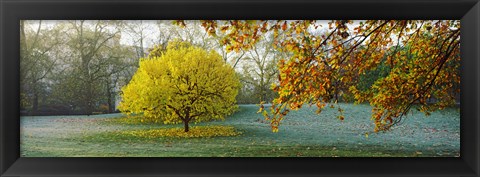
110, 104
89, 97
186, 125
35, 103
109, 98
187, 118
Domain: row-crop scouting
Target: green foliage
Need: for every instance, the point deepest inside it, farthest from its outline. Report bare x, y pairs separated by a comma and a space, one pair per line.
184, 84
367, 79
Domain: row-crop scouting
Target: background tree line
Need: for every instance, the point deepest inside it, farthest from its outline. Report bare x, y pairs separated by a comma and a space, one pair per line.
79, 67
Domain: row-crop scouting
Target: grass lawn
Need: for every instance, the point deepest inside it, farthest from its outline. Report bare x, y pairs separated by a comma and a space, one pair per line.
302, 134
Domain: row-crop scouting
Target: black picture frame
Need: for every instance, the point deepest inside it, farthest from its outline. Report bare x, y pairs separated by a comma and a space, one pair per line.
12, 11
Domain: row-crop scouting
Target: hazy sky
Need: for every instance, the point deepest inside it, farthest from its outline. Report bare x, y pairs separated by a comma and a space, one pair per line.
151, 29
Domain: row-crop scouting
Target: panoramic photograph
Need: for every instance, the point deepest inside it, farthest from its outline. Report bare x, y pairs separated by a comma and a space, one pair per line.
240, 88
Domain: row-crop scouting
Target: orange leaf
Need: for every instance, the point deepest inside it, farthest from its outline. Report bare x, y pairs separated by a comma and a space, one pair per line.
284, 26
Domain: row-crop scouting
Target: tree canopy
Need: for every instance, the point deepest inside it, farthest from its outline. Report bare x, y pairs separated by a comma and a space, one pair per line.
420, 60
183, 84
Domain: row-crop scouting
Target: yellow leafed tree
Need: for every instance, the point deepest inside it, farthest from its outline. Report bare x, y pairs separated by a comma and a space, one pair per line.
184, 84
